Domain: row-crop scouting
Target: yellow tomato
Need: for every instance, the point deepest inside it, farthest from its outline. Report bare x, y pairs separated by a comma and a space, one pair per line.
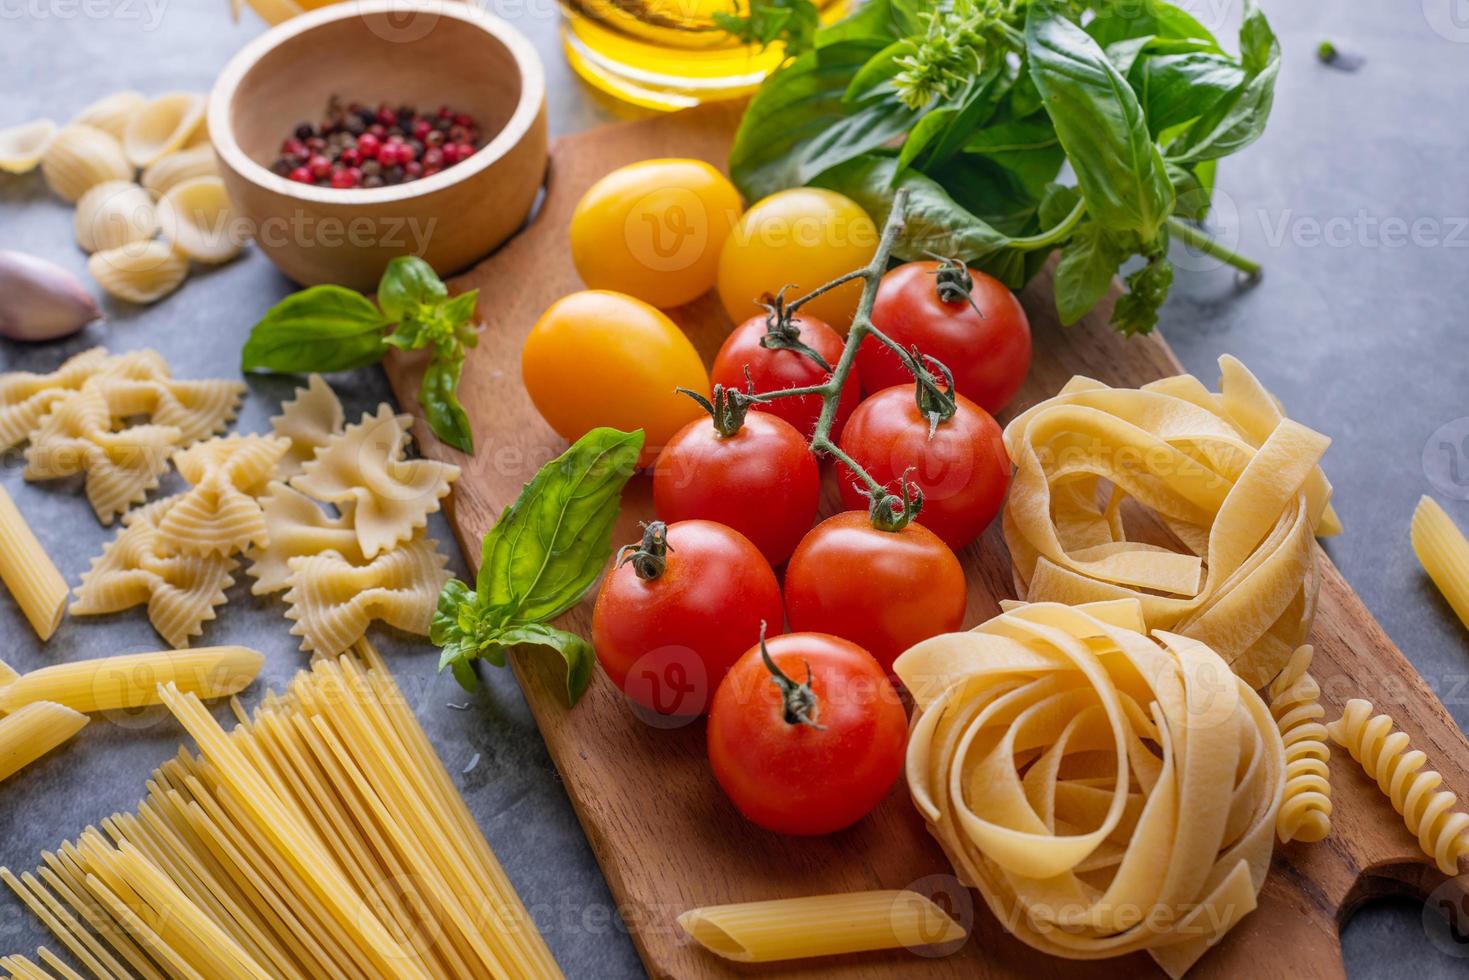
800, 238
653, 230
602, 358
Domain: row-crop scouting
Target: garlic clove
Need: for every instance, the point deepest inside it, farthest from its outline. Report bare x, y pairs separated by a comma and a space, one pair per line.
39, 300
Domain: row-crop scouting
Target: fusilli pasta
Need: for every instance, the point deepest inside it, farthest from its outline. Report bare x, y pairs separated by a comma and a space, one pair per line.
1295, 702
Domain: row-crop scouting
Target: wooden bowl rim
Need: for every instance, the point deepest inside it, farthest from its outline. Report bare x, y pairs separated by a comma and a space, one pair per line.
527, 63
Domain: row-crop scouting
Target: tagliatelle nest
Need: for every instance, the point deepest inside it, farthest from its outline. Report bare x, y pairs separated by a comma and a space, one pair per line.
1227, 487
1105, 793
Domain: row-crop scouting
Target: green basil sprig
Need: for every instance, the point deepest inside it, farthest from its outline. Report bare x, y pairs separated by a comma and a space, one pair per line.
539, 560
331, 328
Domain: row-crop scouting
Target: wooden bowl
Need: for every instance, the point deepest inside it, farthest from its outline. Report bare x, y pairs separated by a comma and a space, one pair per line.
400, 52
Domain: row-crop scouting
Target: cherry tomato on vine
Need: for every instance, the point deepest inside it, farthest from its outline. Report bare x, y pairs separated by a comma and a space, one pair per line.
782, 365
803, 238
760, 479
601, 358
806, 734
883, 590
678, 609
962, 317
962, 468
653, 230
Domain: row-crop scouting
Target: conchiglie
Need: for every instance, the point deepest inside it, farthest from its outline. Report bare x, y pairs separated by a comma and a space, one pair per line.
80, 157
143, 272
175, 168
163, 126
196, 216
113, 214
112, 113
21, 147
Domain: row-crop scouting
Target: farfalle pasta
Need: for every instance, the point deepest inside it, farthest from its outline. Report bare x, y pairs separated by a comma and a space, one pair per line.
332, 601
219, 515
296, 527
308, 421
391, 497
1229, 493
1106, 792
138, 566
26, 397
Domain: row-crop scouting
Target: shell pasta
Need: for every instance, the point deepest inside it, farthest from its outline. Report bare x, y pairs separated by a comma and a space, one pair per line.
1444, 553
143, 272
28, 572
79, 157
34, 730
132, 681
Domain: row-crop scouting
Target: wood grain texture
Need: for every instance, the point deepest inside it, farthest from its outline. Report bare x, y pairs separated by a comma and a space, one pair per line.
666, 837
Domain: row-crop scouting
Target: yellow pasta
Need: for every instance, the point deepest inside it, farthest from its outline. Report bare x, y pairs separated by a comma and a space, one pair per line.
162, 126
1295, 702
296, 526
1444, 554
21, 147
1231, 498
220, 514
28, 572
143, 272
79, 157
32, 730
112, 113
113, 214
822, 925
26, 398
197, 218
309, 421
131, 681
332, 601
391, 497
173, 169
198, 409
7, 673
1428, 812
1106, 792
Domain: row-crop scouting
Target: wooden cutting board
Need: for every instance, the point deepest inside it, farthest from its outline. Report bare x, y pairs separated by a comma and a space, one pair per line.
665, 835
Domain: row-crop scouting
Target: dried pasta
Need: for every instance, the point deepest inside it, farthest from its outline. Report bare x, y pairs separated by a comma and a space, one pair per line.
25, 398
296, 526
220, 514
821, 925
131, 681
1295, 702
143, 272
28, 572
1444, 554
391, 497
168, 171
321, 838
309, 421
113, 214
79, 157
21, 147
34, 730
197, 218
162, 126
1427, 811
332, 601
137, 567
1232, 486
1106, 792
112, 113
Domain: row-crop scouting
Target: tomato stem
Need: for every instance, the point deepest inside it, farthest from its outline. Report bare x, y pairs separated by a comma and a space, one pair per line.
649, 557
781, 332
727, 408
798, 701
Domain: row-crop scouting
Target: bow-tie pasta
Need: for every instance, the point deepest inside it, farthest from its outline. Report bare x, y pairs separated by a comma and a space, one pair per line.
332, 601
309, 421
25, 398
296, 526
220, 515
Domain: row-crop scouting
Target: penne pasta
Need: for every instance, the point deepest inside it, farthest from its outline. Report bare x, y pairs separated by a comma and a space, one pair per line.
132, 681
28, 571
1444, 553
820, 925
33, 731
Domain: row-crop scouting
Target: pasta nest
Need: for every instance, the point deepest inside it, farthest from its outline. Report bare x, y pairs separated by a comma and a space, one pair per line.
1106, 792
1201, 506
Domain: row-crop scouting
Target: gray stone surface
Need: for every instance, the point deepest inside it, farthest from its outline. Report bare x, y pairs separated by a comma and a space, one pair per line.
1355, 200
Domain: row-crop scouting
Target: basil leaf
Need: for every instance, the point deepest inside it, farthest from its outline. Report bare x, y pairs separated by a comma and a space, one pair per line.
437, 393
1100, 124
1119, 20
548, 548
324, 328
577, 652
1084, 274
1237, 120
1175, 88
407, 284
1028, 148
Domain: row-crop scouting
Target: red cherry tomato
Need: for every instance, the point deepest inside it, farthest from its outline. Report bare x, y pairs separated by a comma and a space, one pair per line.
774, 369
762, 481
678, 610
962, 469
883, 590
784, 773
985, 343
